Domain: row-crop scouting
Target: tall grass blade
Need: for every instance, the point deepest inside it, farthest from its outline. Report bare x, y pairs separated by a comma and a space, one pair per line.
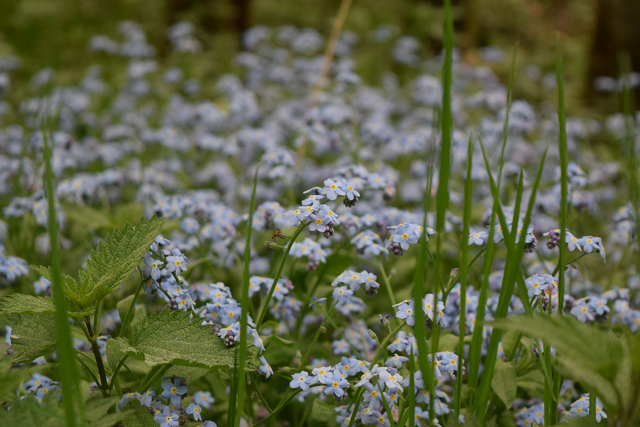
442, 194
242, 358
68, 368
466, 219
564, 179
505, 129
475, 350
511, 272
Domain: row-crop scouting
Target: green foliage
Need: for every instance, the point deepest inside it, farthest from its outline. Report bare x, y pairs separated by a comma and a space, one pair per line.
597, 359
29, 412
321, 414
30, 304
115, 258
504, 382
102, 412
533, 383
239, 383
139, 417
70, 287
36, 336
175, 338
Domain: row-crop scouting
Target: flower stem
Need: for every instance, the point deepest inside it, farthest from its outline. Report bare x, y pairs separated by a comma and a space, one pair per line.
265, 306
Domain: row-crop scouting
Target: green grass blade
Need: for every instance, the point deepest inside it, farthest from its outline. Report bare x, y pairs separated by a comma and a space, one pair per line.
516, 208
476, 341
242, 358
564, 179
442, 195
511, 272
505, 129
466, 219
68, 369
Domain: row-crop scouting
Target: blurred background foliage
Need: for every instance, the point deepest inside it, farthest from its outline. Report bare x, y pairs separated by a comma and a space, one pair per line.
594, 33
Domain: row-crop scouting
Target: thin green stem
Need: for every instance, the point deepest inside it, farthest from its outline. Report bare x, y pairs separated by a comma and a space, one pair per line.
158, 373
382, 346
127, 318
567, 263
98, 356
304, 359
69, 370
265, 305
386, 282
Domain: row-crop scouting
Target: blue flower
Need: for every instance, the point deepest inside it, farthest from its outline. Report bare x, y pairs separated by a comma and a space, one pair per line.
147, 398
300, 380
264, 368
195, 410
173, 391
336, 386
322, 375
342, 294
189, 226
177, 262
407, 311
350, 188
333, 189
166, 418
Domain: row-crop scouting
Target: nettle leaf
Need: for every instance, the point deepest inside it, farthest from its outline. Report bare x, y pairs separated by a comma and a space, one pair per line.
69, 285
173, 337
30, 304
140, 417
321, 414
26, 304
115, 259
504, 382
97, 412
29, 412
585, 353
117, 348
35, 336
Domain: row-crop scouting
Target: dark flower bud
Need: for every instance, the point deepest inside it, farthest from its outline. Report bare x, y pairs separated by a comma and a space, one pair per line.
370, 293
396, 249
328, 232
350, 203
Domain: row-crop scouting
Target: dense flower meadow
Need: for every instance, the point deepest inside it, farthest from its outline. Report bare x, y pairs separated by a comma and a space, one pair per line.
316, 224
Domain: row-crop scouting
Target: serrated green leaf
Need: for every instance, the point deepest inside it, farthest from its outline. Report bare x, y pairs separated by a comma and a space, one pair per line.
504, 382
139, 417
281, 341
71, 287
26, 304
30, 304
123, 307
585, 353
117, 348
115, 259
533, 383
321, 414
189, 373
173, 337
36, 336
139, 316
97, 412
29, 412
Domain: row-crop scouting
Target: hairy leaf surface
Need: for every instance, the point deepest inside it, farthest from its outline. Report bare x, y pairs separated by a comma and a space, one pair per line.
33, 335
173, 337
